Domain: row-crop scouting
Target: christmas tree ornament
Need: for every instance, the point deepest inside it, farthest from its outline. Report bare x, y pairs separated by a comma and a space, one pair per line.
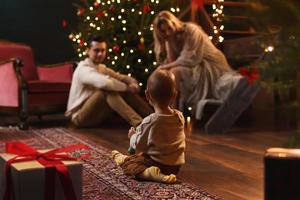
64, 23
198, 4
116, 48
100, 14
81, 43
80, 11
142, 40
146, 8
141, 47
96, 4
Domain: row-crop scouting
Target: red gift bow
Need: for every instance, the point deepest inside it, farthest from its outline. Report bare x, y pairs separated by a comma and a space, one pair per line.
252, 74
51, 159
198, 3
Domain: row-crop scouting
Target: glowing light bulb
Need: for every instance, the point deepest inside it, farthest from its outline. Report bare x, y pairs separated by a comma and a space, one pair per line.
269, 49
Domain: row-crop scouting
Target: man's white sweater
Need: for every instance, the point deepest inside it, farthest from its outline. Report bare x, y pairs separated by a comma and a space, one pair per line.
86, 79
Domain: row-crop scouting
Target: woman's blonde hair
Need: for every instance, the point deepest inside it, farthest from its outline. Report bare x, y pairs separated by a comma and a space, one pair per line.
159, 41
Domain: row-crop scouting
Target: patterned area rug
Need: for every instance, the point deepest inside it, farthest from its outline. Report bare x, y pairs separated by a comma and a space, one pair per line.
102, 179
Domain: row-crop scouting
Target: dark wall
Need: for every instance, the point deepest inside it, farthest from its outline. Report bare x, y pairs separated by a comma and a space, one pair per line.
39, 23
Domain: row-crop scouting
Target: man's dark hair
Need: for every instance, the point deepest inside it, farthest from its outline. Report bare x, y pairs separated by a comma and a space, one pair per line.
95, 38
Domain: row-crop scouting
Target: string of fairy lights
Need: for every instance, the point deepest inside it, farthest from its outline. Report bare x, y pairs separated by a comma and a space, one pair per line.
100, 12
218, 16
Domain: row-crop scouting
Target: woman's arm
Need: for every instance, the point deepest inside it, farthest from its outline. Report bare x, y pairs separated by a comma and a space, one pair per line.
192, 51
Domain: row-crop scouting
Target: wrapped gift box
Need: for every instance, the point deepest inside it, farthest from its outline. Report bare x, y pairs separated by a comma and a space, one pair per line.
282, 174
28, 179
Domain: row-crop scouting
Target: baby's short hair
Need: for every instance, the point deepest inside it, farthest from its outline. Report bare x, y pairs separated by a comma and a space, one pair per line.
161, 86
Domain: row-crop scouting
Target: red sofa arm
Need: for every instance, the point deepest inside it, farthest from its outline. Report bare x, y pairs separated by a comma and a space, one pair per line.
57, 73
10, 82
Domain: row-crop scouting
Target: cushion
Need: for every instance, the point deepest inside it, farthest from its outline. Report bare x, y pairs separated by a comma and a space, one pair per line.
37, 86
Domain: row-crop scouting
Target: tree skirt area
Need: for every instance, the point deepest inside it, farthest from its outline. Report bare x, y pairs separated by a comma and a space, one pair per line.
102, 179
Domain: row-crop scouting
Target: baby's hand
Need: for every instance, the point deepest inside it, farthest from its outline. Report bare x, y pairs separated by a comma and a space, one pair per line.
131, 132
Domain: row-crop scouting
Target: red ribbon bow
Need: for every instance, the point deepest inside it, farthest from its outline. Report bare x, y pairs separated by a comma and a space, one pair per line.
52, 160
198, 4
252, 74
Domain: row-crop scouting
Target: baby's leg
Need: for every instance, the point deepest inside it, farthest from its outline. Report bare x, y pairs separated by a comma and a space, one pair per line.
153, 174
118, 157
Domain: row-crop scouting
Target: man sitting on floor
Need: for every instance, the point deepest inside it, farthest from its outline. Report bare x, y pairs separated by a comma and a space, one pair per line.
97, 90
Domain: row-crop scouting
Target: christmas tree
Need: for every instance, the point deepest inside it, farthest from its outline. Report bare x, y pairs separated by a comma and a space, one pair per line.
282, 44
279, 67
126, 25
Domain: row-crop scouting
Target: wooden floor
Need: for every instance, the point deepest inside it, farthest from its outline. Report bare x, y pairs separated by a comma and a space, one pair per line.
228, 165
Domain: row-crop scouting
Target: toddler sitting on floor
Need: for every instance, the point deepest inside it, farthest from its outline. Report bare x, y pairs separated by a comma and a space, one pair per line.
159, 141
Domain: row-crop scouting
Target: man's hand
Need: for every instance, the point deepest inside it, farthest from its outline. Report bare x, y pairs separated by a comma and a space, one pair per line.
101, 69
133, 88
131, 132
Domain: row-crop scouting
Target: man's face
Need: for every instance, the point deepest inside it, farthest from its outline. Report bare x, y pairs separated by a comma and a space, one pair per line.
97, 52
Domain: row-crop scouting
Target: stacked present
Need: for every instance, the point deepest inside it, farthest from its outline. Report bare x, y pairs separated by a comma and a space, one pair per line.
28, 174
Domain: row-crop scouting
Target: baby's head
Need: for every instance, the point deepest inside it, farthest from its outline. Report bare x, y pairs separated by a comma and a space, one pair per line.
161, 88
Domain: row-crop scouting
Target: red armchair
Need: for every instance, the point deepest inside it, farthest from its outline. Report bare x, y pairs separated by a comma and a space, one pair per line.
29, 89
